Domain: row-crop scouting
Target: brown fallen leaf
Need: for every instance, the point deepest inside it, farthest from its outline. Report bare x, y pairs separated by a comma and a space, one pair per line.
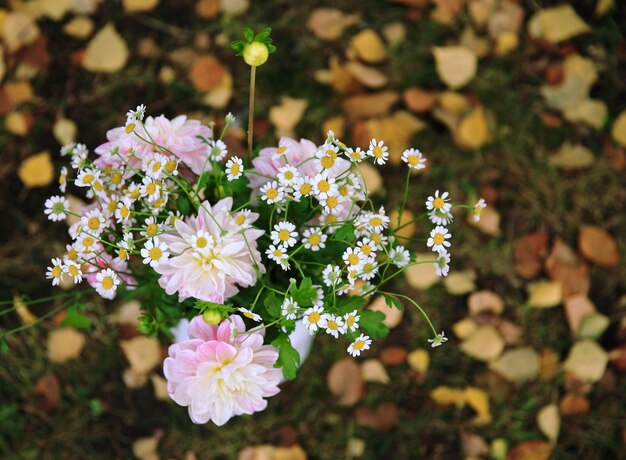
485, 302
577, 307
106, 51
336, 124
564, 265
287, 115
146, 448
393, 356
573, 404
208, 9
548, 364
530, 450
456, 65
369, 105
206, 73
572, 157
598, 246
328, 24
345, 382
48, 393
372, 370
447, 10
383, 418
511, 333
368, 46
64, 344
418, 100
529, 253
139, 6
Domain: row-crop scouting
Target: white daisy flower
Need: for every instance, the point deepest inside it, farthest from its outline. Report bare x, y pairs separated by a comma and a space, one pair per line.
57, 208
151, 227
74, 270
439, 217
414, 159
106, 283
150, 188
250, 315
285, 234
79, 155
442, 266
399, 256
379, 151
367, 247
352, 320
324, 185
313, 319
375, 222
478, 207
55, 272
290, 308
333, 204
334, 325
302, 187
438, 239
171, 166
138, 113
217, 150
63, 179
86, 244
361, 343
93, 222
319, 297
272, 193
355, 155
279, 255
234, 168
314, 239
123, 212
438, 340
439, 202
378, 238
202, 242
86, 177
133, 191
369, 269
156, 166
131, 124
154, 252
353, 258
346, 287
327, 156
331, 275
288, 176
243, 218
67, 149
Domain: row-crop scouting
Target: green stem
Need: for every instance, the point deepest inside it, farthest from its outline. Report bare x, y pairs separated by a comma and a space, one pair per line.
416, 305
251, 109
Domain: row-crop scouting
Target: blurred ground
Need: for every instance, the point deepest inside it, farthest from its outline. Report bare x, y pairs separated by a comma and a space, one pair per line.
515, 101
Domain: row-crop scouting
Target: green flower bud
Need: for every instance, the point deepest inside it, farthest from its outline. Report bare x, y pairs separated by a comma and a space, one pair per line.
212, 316
255, 54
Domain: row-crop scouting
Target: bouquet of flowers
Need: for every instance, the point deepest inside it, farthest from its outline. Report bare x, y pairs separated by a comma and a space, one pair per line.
247, 249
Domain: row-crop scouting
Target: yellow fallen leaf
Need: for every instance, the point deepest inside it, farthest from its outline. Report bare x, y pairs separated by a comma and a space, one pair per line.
133, 379
456, 65
64, 344
394, 33
557, 24
447, 10
419, 360
36, 170
587, 360
220, 96
79, 27
619, 129
19, 29
444, 396
485, 344
472, 131
64, 131
549, 421
603, 6
286, 116
396, 130
489, 222
460, 282
234, 7
422, 276
572, 156
335, 124
160, 387
452, 102
368, 46
17, 123
545, 294
139, 6
22, 310
481, 46
590, 111
406, 224
106, 51
478, 400
371, 176
464, 328
146, 448
54, 10
18, 92
506, 42
143, 354
518, 365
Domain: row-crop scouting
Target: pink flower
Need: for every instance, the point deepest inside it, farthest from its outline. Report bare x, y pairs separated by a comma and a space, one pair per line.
179, 136
217, 376
229, 258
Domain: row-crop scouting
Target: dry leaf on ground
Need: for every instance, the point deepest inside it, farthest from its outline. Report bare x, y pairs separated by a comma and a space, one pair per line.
530, 450
485, 344
206, 73
573, 404
79, 27
564, 265
383, 418
370, 105
329, 23
545, 294
489, 222
419, 360
576, 308
369, 76
418, 100
139, 6
19, 29
106, 51
393, 356
287, 115
598, 246
369, 46
557, 24
529, 253
572, 156
267, 452
587, 361
371, 176
456, 65
485, 301
618, 131
460, 282
393, 316
143, 353
64, 131
549, 421
372, 370
64, 344
345, 382
517, 365
36, 170
48, 392
473, 132
422, 276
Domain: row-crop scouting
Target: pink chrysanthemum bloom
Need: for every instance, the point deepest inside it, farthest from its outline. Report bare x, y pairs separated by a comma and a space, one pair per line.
210, 268
217, 376
179, 136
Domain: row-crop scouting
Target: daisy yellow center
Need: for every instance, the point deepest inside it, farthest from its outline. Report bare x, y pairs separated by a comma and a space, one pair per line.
151, 188
112, 206
366, 249
93, 223
323, 186
438, 238
376, 221
155, 253
130, 127
156, 166
152, 229
314, 239
350, 321
281, 149
62, 179
332, 325
107, 282
248, 314
344, 190
271, 193
328, 162
72, 254
478, 210
56, 271
134, 194
88, 242
97, 186
241, 218
356, 155
378, 152
124, 211
277, 253
368, 267
358, 345
234, 169
88, 178
201, 242
353, 259
331, 219
170, 166
288, 175
331, 153
158, 203
438, 203
72, 270
305, 189
413, 160
284, 235
122, 253
116, 178
332, 202
314, 317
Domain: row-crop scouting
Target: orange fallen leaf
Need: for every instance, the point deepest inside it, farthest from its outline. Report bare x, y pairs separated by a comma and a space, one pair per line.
418, 100
564, 265
370, 105
383, 418
530, 450
64, 344
393, 356
528, 254
368, 46
329, 23
36, 170
573, 404
48, 392
598, 246
208, 9
206, 73
345, 382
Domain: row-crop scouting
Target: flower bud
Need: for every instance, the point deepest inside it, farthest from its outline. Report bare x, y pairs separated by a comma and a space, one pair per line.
255, 54
212, 316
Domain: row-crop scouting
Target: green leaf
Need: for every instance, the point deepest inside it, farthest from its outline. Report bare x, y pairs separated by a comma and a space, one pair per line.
248, 33
272, 305
183, 205
75, 319
392, 301
372, 322
349, 304
345, 232
288, 356
4, 346
304, 294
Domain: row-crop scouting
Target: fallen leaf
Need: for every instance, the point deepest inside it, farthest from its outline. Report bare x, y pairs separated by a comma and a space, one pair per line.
460, 282
372, 370
447, 10
446, 396
564, 265
406, 222
453, 102
456, 65
479, 45
206, 73
478, 400
418, 100
64, 131
335, 124
396, 130
489, 222
572, 157
618, 131
530, 450
593, 326
338, 77
329, 23
485, 344
485, 301
64, 344
48, 392
368, 46
19, 29
219, 97
371, 176
393, 316
464, 328
480, 10
208, 9
143, 353
557, 24
355, 447
160, 387
36, 170
234, 7
507, 18
474, 446
267, 452
286, 116
18, 123
369, 105
576, 308
383, 418
422, 276
545, 294
511, 333
419, 360
548, 364
344, 381
134, 379
597, 246
395, 33
139, 6
529, 252
106, 51
473, 132
79, 27
15, 93
517, 365
587, 361
573, 404
393, 356
371, 77
506, 42
53, 10
146, 448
